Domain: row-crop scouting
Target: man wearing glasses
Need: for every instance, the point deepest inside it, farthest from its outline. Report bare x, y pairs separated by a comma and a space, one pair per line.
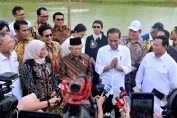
61, 31
53, 47
42, 18
19, 14
9, 62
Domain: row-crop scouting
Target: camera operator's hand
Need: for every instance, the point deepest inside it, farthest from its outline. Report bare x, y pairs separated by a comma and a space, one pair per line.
157, 116
125, 111
165, 98
100, 100
53, 101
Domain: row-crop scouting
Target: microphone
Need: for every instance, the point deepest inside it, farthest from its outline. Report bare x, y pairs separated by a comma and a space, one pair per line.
106, 90
123, 92
120, 102
99, 87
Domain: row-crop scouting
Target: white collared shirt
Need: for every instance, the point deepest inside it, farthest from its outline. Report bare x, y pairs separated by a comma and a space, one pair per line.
159, 73
11, 65
65, 46
12, 31
104, 57
96, 36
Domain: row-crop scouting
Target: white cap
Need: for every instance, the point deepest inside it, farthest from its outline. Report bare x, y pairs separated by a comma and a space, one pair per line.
135, 25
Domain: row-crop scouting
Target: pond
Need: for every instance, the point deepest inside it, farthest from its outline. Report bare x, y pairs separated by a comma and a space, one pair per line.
112, 15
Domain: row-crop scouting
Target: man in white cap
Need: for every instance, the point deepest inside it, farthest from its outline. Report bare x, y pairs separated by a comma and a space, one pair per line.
138, 50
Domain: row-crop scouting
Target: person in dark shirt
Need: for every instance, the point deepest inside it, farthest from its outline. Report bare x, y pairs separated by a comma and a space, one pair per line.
93, 43
170, 50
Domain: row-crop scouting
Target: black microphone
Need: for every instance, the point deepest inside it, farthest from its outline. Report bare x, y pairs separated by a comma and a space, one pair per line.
106, 90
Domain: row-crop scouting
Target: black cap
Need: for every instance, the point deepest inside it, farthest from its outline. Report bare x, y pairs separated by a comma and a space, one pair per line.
158, 26
75, 41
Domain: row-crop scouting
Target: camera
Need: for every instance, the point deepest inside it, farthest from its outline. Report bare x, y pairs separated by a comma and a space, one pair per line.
76, 92
170, 109
8, 102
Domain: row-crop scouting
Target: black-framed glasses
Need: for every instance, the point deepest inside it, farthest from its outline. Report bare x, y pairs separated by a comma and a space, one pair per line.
44, 16
60, 19
96, 27
47, 36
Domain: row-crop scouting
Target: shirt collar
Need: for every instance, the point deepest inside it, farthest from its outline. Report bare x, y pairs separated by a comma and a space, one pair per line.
96, 36
52, 45
163, 57
110, 49
127, 39
2, 57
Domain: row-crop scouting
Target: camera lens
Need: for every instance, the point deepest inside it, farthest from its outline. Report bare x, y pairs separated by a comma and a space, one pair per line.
75, 88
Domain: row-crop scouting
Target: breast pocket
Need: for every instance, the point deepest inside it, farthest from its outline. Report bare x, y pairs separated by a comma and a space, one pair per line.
162, 70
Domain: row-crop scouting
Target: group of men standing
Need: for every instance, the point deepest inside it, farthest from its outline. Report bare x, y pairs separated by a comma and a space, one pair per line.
122, 61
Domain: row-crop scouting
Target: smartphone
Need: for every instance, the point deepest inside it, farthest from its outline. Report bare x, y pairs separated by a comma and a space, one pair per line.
142, 105
158, 94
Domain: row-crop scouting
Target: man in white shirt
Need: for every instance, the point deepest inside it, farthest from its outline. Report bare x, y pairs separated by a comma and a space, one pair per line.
112, 63
19, 14
157, 70
8, 61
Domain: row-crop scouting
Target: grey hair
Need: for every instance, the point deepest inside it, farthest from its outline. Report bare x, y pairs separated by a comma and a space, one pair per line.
2, 34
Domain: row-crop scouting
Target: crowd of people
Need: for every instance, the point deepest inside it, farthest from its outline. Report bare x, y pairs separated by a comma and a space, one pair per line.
44, 55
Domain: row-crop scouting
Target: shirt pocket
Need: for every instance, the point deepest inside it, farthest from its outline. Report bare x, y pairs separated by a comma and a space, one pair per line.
162, 70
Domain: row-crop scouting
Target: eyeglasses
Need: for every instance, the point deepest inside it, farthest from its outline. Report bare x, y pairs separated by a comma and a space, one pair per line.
21, 14
96, 27
62, 19
44, 16
47, 36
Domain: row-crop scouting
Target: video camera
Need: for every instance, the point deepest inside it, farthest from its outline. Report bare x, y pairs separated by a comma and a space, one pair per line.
171, 107
8, 103
76, 91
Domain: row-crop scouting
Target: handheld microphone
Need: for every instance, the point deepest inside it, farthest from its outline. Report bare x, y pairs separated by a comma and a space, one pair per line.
106, 90
123, 92
99, 87
120, 102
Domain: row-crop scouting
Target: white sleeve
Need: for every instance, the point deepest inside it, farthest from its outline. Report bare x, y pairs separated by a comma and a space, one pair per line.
173, 76
140, 74
99, 62
127, 67
65, 47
